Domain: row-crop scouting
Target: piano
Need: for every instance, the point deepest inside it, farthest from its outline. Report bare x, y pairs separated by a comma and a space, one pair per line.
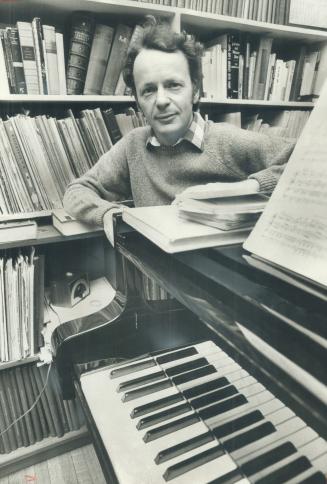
225, 382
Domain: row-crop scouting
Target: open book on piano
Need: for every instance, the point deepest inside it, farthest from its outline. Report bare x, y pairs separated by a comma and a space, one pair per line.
290, 238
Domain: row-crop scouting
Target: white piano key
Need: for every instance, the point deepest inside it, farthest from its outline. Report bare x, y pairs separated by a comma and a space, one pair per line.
320, 463
304, 475
315, 449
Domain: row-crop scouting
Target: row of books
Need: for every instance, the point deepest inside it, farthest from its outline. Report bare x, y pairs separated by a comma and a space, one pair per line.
272, 11
284, 123
21, 308
33, 61
239, 67
40, 155
50, 417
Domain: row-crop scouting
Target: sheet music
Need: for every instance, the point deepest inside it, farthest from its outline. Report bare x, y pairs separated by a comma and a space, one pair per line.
292, 230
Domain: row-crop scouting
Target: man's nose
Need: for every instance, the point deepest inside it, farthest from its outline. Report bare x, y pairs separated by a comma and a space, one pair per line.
162, 99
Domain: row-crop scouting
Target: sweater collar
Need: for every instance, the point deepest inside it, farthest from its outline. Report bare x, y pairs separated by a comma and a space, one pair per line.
194, 133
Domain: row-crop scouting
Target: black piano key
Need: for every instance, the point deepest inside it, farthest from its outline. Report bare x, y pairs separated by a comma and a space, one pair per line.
205, 387
189, 365
229, 478
164, 415
143, 380
177, 355
183, 447
156, 405
249, 436
237, 424
146, 390
193, 375
125, 370
222, 407
193, 462
316, 478
171, 427
286, 472
212, 397
268, 458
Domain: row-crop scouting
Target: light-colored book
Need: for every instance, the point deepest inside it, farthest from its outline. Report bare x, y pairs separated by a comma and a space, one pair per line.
68, 225
61, 63
163, 226
49, 34
28, 55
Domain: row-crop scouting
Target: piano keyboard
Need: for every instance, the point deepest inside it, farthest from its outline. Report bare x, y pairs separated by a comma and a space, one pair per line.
193, 415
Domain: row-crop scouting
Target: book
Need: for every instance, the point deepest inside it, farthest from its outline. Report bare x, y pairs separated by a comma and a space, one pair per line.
117, 58
17, 61
49, 35
112, 125
306, 12
291, 232
162, 226
28, 56
18, 230
8, 61
100, 49
82, 29
4, 84
68, 225
38, 303
61, 63
261, 67
40, 55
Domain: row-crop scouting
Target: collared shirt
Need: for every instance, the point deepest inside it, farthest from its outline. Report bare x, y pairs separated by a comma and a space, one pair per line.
194, 133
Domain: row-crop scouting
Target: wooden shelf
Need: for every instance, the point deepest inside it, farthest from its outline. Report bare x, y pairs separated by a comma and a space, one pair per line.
12, 364
257, 102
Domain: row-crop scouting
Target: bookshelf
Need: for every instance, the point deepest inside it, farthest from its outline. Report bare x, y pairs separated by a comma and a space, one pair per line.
203, 25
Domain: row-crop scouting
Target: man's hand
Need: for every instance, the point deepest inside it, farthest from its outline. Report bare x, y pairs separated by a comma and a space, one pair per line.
108, 225
219, 189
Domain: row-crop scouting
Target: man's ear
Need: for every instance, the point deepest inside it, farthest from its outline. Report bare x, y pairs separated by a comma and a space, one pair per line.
196, 94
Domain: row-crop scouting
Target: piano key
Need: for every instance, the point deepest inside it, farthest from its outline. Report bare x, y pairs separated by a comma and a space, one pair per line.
182, 368
146, 390
163, 415
321, 463
314, 448
193, 375
176, 355
141, 381
212, 397
316, 478
206, 387
292, 468
157, 432
132, 368
249, 436
156, 405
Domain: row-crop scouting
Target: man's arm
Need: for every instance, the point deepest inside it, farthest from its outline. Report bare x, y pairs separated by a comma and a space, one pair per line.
89, 197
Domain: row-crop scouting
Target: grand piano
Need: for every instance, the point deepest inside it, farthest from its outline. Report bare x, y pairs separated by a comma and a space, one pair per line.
223, 382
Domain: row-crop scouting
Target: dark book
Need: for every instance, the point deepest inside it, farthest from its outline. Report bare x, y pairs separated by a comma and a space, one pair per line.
8, 62
117, 58
298, 72
39, 55
54, 384
112, 125
261, 67
8, 408
38, 302
82, 30
51, 397
25, 405
38, 407
18, 407
44, 399
30, 398
17, 61
101, 45
5, 441
246, 68
233, 55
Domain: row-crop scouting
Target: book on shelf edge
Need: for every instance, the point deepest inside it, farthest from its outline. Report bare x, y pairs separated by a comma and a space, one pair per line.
292, 230
163, 226
68, 225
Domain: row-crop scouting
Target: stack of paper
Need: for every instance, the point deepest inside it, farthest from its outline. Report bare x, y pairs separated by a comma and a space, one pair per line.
225, 213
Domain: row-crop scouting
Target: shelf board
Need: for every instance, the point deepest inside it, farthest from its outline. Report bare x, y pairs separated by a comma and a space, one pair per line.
25, 216
208, 21
21, 98
11, 364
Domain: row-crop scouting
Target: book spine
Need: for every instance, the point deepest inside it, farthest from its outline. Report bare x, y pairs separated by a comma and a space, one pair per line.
10, 412
234, 67
38, 296
28, 56
102, 40
4, 83
116, 59
18, 408
79, 51
24, 404
61, 63
40, 57
112, 125
17, 61
44, 400
39, 410
49, 35
261, 67
9, 62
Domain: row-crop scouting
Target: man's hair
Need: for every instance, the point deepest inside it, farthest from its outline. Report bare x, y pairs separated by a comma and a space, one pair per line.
160, 36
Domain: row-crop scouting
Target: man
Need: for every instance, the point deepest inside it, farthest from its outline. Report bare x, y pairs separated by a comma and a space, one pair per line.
178, 150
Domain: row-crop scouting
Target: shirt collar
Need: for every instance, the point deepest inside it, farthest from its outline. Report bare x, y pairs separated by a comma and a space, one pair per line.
194, 133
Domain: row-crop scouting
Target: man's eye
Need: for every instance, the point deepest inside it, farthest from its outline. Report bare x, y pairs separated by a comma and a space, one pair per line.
174, 85
147, 91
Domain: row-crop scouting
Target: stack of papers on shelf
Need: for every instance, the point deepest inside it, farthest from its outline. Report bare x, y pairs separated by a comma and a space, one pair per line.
225, 213
18, 230
163, 226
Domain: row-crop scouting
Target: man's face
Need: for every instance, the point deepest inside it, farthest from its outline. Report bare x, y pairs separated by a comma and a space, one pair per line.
165, 93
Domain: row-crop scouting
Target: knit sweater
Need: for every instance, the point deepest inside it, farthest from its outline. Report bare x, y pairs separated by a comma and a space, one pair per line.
150, 175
